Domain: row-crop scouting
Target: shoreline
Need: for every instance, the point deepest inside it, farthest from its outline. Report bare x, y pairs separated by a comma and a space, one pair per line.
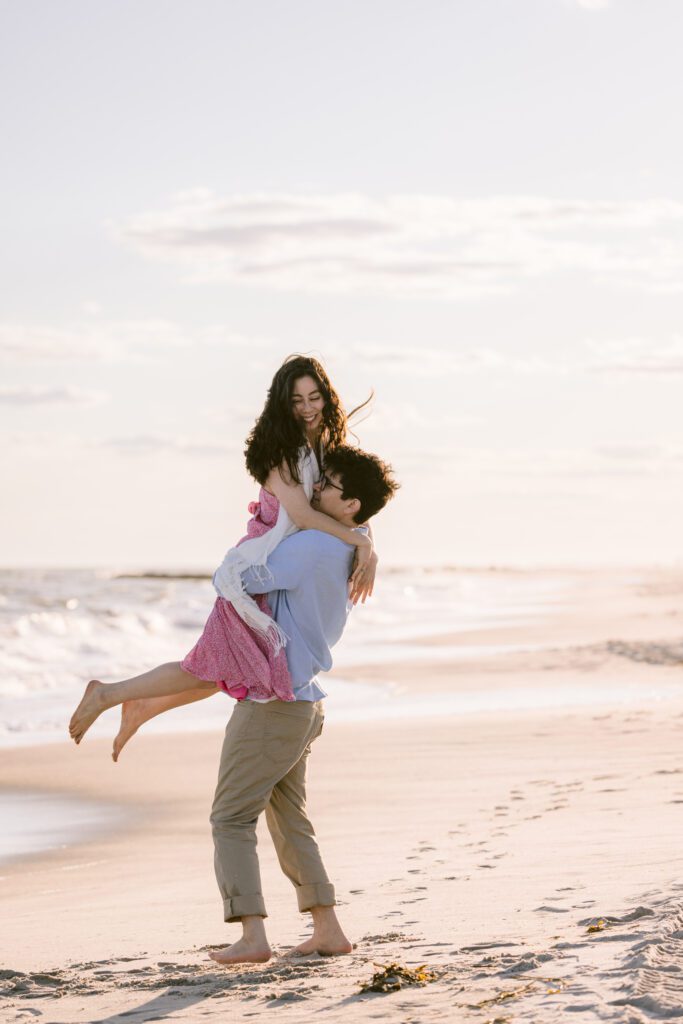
552, 682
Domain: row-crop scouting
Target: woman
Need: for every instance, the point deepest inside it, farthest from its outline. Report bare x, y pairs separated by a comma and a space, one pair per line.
241, 650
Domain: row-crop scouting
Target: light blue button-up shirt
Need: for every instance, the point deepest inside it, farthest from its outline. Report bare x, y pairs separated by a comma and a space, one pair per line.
306, 583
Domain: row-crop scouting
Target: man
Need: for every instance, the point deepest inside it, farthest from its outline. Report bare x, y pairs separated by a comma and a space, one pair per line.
267, 744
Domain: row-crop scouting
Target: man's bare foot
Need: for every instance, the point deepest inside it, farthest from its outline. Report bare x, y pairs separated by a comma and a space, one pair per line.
92, 705
243, 952
327, 939
133, 715
331, 946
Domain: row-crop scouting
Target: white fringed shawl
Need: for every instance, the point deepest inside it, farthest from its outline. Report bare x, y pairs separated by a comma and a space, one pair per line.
227, 579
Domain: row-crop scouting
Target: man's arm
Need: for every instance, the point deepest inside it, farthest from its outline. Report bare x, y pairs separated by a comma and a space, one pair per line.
285, 567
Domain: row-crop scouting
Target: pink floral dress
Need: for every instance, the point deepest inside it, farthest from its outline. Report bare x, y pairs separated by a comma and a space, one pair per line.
239, 661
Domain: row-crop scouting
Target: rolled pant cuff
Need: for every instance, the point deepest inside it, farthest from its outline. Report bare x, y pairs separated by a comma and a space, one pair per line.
316, 894
243, 906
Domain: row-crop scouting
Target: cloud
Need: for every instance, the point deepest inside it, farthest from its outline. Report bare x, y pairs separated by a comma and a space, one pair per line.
594, 5
412, 361
388, 420
232, 416
480, 467
65, 444
637, 356
136, 340
115, 341
43, 443
155, 444
445, 464
43, 396
418, 244
634, 452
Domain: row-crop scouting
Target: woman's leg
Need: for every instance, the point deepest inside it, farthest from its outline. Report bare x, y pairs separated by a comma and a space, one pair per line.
135, 713
162, 681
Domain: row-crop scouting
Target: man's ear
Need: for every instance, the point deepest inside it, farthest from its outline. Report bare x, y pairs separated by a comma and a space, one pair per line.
353, 507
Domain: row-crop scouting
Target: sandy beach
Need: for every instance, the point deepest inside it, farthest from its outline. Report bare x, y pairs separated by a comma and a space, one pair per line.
531, 858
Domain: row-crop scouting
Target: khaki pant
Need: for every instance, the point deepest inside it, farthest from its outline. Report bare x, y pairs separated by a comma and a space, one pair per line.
263, 766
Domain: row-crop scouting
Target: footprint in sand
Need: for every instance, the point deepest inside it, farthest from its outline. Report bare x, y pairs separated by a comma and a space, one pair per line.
386, 937
635, 915
481, 946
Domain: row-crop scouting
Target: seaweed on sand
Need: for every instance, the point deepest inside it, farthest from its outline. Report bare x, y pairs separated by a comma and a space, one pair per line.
395, 976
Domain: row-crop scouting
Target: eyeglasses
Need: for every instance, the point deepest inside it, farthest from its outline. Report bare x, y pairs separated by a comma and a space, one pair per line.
325, 481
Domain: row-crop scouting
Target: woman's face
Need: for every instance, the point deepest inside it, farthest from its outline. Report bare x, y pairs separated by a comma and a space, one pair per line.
308, 404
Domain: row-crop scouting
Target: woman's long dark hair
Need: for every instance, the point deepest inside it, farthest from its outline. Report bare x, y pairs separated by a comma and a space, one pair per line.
277, 436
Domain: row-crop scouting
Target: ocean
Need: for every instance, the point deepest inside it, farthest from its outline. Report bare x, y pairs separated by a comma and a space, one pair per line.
60, 628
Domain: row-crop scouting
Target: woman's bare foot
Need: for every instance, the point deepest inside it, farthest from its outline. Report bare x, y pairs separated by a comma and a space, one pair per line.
243, 952
91, 707
133, 715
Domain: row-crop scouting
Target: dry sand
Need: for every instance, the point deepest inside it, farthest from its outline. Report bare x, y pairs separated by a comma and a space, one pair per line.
484, 846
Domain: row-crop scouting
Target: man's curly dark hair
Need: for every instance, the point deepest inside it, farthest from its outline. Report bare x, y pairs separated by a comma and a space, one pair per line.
363, 476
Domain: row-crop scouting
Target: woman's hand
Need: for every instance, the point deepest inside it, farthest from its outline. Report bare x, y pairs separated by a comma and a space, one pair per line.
362, 579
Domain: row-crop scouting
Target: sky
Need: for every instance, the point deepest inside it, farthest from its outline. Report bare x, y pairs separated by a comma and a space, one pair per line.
473, 209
